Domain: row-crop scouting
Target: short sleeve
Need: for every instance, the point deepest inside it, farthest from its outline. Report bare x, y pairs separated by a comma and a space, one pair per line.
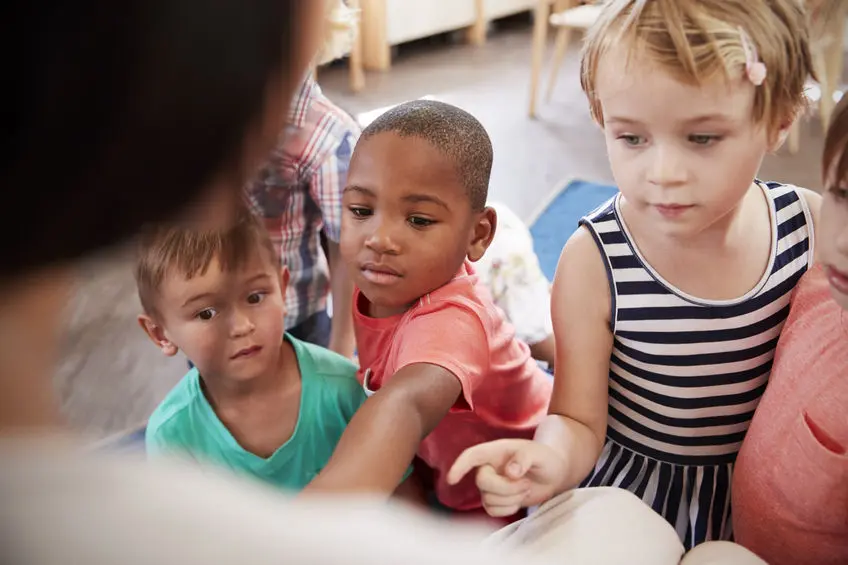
452, 337
351, 396
159, 443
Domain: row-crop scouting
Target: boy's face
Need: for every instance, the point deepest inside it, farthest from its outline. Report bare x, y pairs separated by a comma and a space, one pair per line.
229, 324
832, 239
407, 223
682, 155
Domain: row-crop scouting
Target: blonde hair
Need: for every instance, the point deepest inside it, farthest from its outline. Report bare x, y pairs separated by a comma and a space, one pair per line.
698, 40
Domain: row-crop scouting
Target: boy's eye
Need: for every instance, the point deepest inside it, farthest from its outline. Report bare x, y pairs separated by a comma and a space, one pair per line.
255, 297
206, 314
420, 222
703, 139
360, 211
632, 140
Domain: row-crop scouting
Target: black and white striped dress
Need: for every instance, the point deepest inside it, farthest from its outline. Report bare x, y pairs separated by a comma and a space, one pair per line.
686, 374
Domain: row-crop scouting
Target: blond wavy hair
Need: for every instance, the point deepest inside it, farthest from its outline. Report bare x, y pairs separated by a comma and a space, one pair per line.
700, 40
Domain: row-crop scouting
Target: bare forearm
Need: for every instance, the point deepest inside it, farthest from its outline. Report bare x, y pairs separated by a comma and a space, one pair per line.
342, 339
374, 452
579, 446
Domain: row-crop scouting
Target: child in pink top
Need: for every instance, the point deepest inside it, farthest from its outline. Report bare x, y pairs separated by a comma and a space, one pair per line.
442, 366
790, 489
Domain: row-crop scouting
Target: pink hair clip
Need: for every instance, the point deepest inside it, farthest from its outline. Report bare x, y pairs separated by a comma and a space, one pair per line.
754, 68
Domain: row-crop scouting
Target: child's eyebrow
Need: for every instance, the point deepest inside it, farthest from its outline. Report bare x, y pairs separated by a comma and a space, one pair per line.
360, 189
198, 297
621, 120
257, 277
416, 198
709, 118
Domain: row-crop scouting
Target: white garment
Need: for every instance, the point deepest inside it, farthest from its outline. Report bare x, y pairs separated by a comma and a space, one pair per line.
60, 506
510, 270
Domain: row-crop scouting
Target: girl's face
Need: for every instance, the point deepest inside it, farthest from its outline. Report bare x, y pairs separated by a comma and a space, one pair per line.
683, 155
832, 237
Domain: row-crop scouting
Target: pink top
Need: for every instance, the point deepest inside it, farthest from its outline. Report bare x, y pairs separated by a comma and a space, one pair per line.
457, 327
790, 485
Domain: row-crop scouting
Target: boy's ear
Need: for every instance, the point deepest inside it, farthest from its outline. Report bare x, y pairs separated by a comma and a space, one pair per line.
484, 231
156, 333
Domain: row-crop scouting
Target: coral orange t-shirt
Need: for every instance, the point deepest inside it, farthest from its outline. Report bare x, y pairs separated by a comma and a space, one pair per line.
790, 484
457, 327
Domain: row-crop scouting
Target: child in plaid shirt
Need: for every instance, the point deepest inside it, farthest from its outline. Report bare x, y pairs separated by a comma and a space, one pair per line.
298, 194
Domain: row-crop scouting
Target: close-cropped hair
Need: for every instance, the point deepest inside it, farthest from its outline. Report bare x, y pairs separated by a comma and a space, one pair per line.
455, 133
167, 249
697, 41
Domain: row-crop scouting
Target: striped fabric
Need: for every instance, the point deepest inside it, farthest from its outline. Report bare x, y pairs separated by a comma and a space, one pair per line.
686, 374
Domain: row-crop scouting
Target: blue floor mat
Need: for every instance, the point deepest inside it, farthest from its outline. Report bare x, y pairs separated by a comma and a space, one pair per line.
558, 220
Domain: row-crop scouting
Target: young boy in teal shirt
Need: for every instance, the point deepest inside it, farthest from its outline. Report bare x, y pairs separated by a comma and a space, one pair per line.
257, 401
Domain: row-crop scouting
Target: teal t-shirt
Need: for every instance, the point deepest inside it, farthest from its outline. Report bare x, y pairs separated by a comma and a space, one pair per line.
185, 423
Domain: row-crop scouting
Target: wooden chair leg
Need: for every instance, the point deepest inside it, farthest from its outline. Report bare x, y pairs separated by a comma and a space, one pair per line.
357, 72
833, 63
560, 48
540, 36
476, 34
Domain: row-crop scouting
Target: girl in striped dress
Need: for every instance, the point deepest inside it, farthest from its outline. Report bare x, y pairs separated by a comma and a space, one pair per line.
669, 299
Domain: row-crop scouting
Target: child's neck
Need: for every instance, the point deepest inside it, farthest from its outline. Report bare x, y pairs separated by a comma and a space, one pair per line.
281, 376
371, 310
261, 414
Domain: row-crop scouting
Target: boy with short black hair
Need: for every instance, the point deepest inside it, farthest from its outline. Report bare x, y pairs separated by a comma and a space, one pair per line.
442, 365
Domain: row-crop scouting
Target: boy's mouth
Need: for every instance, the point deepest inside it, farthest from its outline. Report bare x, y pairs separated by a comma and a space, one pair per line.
247, 352
379, 274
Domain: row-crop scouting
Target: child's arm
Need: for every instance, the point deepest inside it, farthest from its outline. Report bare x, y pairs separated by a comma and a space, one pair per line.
580, 307
342, 339
516, 473
382, 438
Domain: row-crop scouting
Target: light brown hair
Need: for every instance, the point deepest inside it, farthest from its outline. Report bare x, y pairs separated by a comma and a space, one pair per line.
698, 40
835, 156
167, 249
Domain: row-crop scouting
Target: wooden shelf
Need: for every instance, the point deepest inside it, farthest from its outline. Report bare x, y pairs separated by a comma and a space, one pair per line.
386, 23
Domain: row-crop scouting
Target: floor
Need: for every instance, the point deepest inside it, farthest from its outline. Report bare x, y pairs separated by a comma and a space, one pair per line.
111, 377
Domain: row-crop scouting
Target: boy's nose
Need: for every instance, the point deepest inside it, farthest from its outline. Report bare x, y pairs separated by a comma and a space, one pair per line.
242, 325
381, 241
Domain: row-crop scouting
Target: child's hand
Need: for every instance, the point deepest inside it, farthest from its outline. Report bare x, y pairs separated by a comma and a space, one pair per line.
512, 473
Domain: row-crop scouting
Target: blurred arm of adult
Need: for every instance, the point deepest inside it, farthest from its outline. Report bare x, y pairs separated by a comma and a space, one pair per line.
101, 511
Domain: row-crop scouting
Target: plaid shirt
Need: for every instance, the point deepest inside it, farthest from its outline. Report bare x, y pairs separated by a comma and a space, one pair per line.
298, 193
